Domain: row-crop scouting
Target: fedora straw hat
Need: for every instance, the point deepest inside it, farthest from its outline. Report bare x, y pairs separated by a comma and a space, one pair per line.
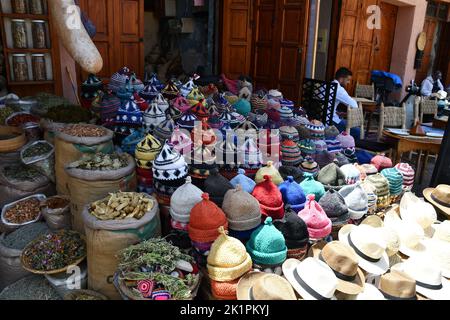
264, 286
439, 197
311, 278
397, 285
429, 280
344, 262
416, 210
389, 235
370, 247
373, 221
369, 293
438, 248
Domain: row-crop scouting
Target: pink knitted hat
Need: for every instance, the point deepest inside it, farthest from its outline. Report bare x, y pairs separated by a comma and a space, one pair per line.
319, 225
346, 140
381, 162
408, 174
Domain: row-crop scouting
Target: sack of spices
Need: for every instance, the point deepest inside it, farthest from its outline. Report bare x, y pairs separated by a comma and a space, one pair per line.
93, 177
56, 212
105, 237
41, 156
21, 213
72, 142
84, 295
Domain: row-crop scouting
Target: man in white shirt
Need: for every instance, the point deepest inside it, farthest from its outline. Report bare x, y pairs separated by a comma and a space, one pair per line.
432, 84
342, 79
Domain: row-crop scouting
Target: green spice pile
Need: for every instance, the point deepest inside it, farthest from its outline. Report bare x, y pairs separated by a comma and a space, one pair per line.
54, 251
33, 287
122, 205
80, 130
4, 114
21, 172
23, 211
21, 237
68, 114
101, 161
38, 149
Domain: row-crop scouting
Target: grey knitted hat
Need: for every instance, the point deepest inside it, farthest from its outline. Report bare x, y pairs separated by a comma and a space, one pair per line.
242, 210
331, 176
334, 206
356, 200
183, 200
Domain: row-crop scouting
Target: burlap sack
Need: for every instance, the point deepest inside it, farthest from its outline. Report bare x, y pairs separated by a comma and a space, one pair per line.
69, 149
10, 266
58, 219
87, 186
104, 240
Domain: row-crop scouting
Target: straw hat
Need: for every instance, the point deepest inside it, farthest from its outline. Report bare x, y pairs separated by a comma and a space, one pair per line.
439, 197
397, 285
264, 286
416, 210
438, 248
311, 278
370, 293
389, 235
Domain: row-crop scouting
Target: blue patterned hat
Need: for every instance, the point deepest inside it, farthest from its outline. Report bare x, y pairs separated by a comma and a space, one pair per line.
129, 113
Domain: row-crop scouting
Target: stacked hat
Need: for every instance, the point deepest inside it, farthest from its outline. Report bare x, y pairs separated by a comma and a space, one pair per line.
146, 151
289, 132
252, 161
202, 134
271, 171
183, 200
275, 95
270, 199
356, 200
200, 110
129, 114
164, 130
181, 104
351, 174
213, 110
317, 130
290, 153
310, 166
311, 186
395, 179
296, 235
153, 116
209, 90
187, 121
267, 246
181, 141
141, 102
319, 225
382, 188
286, 114
303, 132
242, 210
228, 259
243, 107
381, 162
324, 158
341, 159
229, 118
408, 174
245, 182
307, 147
154, 81
195, 96
331, 133
187, 88
163, 104
362, 172
371, 192
320, 145
204, 162
149, 93
288, 171
269, 142
119, 79
170, 91
331, 176
227, 154
293, 194
217, 186
333, 145
350, 154
369, 169
335, 208
346, 140
91, 87
174, 113
106, 105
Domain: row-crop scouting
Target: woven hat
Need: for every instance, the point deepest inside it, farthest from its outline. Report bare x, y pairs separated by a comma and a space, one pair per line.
331, 176
163, 104
346, 140
331, 133
290, 152
258, 101
324, 158
267, 245
319, 225
264, 286
289, 171
153, 116
149, 93
170, 91
307, 147
243, 107
183, 200
229, 118
206, 218
408, 174
382, 188
397, 285
351, 174
242, 210
181, 141
200, 110
217, 186
119, 79
294, 230
147, 150
245, 182
310, 166
187, 121
270, 199
286, 113
289, 132
438, 248
164, 130
181, 104
341, 159
129, 113
439, 197
228, 259
293, 194
187, 87
381, 162
169, 165
416, 210
395, 179
334, 206
154, 81
195, 96
311, 186
317, 130
356, 200
271, 171
275, 94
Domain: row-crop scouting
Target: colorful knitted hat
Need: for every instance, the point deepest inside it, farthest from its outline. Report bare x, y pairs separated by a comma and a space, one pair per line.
225, 291
243, 107
147, 151
228, 259
242, 210
331, 176
267, 245
119, 79
271, 171
181, 104
195, 96
153, 116
91, 86
203, 135
174, 113
164, 130
130, 143
334, 206
163, 104
258, 101
351, 174
321, 145
209, 90
181, 141
350, 154
106, 106
303, 132
206, 219
324, 158
187, 88
317, 130
229, 118
154, 81
270, 199
395, 179
346, 140
290, 153
226, 154
356, 200
183, 200
408, 174
170, 91
288, 171
286, 114
381, 162
217, 186
169, 165
204, 162
245, 182
333, 145
294, 230
129, 114
213, 110
200, 111
287, 103
289, 132
187, 121
215, 123
382, 188
307, 147
311, 186
275, 95
331, 133
310, 166
293, 194
319, 225
149, 93
369, 169
141, 102
371, 192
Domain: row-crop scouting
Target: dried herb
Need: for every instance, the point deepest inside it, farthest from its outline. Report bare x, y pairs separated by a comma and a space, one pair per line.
21, 237
56, 203
23, 211
38, 149
80, 130
33, 287
21, 172
68, 114
5, 113
101, 161
122, 205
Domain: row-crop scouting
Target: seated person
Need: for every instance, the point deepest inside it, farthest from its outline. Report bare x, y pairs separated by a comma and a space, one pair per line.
432, 84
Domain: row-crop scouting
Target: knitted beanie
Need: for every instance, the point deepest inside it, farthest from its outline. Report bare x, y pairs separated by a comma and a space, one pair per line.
258, 102
288, 132
227, 153
289, 171
369, 169
395, 179
203, 162
226, 291
324, 158
294, 230
319, 225
362, 172
356, 200
333, 145
205, 220
317, 130
153, 116
154, 81
371, 192
181, 141
229, 118
290, 152
181, 104
351, 174
334, 206
169, 165
164, 130
270, 199
346, 140
246, 127
310, 166
243, 107
146, 151
271, 171
331, 133
187, 121
341, 159
106, 105
320, 145
311, 186
228, 259
200, 111
217, 186
245, 182
141, 102
149, 93
215, 123
286, 114
203, 135
293, 194
303, 132
130, 143
170, 91
331, 176
242, 210
129, 113
183, 200
307, 147
408, 174
287, 103
187, 87
381, 162
267, 245
350, 154
195, 96
382, 188
163, 104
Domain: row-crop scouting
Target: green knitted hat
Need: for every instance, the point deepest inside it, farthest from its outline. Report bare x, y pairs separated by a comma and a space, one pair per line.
267, 245
311, 186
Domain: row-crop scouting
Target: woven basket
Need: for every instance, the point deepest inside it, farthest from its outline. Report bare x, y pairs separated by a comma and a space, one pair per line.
28, 268
13, 144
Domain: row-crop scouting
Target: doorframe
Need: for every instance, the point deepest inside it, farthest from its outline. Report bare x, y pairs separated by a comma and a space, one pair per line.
334, 39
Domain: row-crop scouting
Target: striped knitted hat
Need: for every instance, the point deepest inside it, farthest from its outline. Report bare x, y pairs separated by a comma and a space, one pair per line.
350, 153
310, 166
154, 81
395, 179
333, 145
187, 88
321, 145
307, 147
408, 174
181, 104
187, 121
163, 104
317, 130
170, 91
200, 110
291, 155
381, 185
285, 113
181, 141
351, 174
169, 165
288, 132
153, 116
129, 114
331, 132
346, 140
174, 113
287, 103
106, 106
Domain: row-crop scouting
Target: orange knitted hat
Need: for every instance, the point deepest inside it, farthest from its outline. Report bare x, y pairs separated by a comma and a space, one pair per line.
206, 218
224, 290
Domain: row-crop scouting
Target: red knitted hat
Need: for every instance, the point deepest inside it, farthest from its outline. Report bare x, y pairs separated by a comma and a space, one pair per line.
206, 218
200, 111
224, 290
270, 199
274, 115
381, 162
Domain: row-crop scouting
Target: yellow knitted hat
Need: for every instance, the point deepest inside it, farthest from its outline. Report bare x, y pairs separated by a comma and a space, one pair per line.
228, 259
271, 171
148, 148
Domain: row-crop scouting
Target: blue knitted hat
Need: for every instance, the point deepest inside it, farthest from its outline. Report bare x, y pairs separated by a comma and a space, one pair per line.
293, 194
246, 183
311, 186
129, 113
242, 106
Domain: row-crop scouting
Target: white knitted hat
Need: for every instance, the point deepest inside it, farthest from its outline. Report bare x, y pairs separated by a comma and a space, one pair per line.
183, 200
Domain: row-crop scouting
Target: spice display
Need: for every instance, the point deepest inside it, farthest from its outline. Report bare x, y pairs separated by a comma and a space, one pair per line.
156, 266
21, 237
19, 6
20, 118
54, 251
101, 161
20, 172
68, 114
4, 114
79, 130
39, 37
122, 205
56, 203
33, 287
23, 211
38, 149
39, 70
85, 296
19, 33
36, 7
20, 67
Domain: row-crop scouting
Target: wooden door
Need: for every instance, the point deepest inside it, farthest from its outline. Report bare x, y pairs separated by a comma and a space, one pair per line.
236, 38
429, 28
384, 38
